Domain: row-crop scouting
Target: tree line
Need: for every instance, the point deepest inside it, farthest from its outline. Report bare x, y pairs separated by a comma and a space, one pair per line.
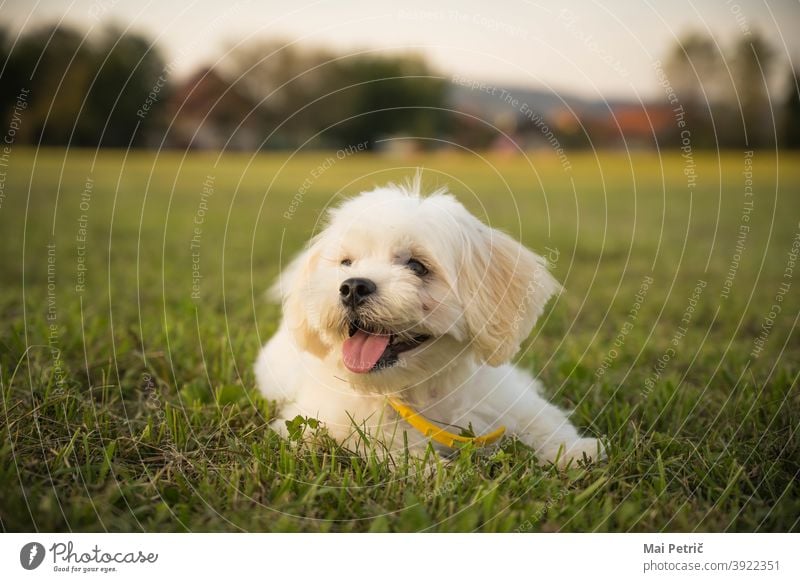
115, 89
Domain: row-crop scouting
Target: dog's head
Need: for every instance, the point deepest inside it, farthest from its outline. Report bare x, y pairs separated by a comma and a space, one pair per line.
398, 287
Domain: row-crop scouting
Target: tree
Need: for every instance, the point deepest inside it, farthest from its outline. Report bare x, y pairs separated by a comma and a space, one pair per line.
128, 68
694, 70
12, 81
56, 63
283, 79
791, 113
752, 62
390, 96
340, 99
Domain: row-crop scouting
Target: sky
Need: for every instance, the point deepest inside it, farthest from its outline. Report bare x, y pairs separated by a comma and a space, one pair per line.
584, 48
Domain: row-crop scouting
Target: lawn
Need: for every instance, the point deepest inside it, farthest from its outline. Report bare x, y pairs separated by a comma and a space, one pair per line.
132, 307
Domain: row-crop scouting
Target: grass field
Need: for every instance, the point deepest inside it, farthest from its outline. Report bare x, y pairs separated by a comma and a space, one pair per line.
128, 404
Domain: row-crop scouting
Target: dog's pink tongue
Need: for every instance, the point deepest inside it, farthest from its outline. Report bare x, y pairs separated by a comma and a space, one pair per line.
362, 351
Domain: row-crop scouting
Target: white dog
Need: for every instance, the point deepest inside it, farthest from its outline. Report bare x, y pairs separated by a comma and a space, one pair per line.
402, 317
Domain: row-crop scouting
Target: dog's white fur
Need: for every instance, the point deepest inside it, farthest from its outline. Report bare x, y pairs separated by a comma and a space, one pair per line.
480, 299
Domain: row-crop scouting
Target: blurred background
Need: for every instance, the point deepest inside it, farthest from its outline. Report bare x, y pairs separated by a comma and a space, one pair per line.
249, 76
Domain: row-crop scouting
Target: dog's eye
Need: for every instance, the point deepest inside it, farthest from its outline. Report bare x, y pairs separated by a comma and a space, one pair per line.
418, 268
346, 262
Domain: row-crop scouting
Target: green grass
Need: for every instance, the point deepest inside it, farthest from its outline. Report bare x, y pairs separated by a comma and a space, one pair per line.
153, 422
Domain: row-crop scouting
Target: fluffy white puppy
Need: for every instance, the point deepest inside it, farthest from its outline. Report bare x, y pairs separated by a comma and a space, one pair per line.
409, 304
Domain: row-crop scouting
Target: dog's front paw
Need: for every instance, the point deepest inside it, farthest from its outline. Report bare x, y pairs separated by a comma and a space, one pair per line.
279, 426
588, 449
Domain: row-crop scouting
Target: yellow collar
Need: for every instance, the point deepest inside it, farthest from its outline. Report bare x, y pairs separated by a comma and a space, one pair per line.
440, 435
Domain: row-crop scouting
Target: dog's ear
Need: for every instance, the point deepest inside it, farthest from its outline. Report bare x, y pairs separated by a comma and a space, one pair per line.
289, 289
504, 288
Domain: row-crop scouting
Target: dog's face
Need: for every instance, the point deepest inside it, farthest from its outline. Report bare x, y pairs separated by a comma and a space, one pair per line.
399, 287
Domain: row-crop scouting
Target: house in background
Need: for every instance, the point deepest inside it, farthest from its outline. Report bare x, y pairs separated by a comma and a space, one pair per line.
207, 112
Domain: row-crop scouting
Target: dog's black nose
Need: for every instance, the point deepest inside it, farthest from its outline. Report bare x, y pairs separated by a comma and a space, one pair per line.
354, 291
